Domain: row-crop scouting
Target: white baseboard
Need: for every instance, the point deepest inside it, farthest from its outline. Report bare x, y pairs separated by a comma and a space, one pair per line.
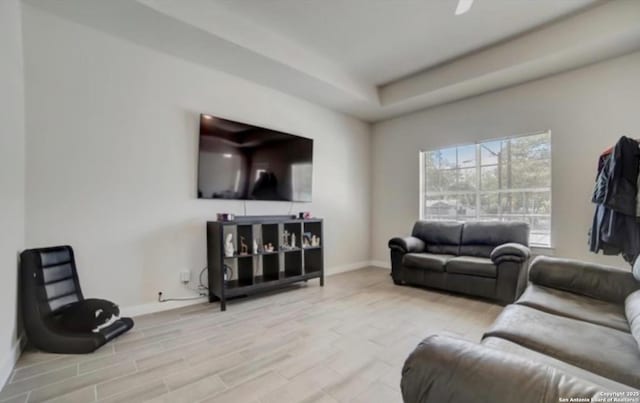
10, 361
329, 271
381, 264
154, 307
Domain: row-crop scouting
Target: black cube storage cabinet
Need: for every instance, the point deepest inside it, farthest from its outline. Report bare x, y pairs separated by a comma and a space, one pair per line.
260, 270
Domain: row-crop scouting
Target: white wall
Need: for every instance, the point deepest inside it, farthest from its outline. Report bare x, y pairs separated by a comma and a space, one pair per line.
12, 173
112, 137
586, 111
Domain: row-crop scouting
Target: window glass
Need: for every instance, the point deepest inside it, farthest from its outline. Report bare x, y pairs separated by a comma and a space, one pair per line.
506, 180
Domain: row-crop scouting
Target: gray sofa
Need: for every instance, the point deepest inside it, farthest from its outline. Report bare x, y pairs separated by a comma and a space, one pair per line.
574, 333
485, 259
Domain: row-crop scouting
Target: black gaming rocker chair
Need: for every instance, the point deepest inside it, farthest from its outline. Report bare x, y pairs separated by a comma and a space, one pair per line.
57, 318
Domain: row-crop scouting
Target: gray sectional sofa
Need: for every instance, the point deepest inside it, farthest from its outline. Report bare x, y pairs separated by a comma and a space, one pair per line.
485, 259
574, 333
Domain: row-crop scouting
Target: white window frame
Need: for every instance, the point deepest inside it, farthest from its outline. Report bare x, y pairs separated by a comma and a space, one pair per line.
479, 192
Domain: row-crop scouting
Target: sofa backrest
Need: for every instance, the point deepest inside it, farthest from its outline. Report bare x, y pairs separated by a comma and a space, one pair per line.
479, 238
441, 237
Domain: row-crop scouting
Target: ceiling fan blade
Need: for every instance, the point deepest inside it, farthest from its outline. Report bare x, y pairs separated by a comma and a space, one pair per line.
463, 6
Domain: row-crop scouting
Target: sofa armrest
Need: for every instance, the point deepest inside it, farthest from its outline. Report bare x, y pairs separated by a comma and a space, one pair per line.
589, 279
446, 369
408, 244
510, 252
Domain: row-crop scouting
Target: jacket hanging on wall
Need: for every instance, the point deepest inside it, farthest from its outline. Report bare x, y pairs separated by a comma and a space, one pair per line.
616, 227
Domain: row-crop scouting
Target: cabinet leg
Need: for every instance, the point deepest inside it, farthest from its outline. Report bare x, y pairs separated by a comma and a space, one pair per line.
322, 280
223, 305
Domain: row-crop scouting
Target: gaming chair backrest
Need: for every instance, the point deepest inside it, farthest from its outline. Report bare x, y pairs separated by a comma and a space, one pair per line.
49, 281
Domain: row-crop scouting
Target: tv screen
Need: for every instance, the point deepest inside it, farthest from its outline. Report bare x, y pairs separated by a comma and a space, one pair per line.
246, 162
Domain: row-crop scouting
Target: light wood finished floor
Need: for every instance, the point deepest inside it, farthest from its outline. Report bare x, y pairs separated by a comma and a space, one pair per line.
345, 342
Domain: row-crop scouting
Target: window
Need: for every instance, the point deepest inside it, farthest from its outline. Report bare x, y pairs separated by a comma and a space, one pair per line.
506, 180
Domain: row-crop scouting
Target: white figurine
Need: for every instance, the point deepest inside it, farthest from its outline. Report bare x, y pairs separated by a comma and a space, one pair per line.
255, 246
228, 246
293, 241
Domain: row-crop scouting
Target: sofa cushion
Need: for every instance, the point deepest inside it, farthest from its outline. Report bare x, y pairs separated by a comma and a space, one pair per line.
513, 348
473, 266
441, 237
426, 261
632, 313
575, 306
480, 238
605, 351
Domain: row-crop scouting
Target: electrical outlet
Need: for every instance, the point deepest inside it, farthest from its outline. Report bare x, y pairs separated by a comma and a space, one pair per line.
185, 276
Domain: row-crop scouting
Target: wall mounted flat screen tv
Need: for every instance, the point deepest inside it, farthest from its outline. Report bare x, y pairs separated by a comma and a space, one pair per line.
246, 162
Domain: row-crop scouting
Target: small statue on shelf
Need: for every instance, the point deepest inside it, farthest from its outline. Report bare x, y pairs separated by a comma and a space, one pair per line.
229, 250
306, 242
255, 246
228, 272
244, 249
285, 240
315, 241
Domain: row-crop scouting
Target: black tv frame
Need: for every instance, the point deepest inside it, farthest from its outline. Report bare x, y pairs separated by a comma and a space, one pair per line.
201, 117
